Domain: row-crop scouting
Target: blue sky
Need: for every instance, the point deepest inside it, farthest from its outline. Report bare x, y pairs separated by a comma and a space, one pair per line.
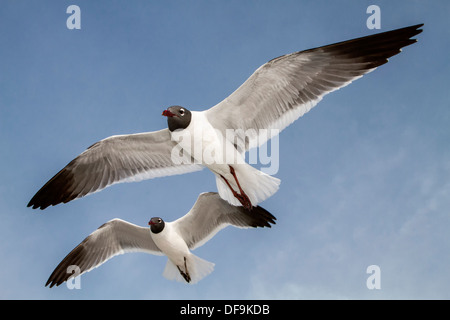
365, 174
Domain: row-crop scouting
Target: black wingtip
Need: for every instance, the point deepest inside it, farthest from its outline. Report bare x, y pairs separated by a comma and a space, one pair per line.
34, 205
58, 189
53, 283
49, 282
416, 27
260, 217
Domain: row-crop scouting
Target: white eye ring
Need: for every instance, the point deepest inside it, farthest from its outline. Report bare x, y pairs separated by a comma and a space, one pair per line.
182, 112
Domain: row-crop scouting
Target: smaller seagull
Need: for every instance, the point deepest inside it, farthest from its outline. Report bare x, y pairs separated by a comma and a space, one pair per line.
175, 239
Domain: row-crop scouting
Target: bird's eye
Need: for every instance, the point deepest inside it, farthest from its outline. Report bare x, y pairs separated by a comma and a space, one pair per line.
182, 112
159, 220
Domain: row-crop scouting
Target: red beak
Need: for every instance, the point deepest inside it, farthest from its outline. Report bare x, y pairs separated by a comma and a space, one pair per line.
167, 113
150, 223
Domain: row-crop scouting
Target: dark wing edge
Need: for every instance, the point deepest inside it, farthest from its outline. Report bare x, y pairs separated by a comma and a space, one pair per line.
286, 87
210, 214
113, 238
116, 159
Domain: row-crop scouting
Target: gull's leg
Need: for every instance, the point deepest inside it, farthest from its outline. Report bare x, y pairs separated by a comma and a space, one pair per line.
185, 275
242, 197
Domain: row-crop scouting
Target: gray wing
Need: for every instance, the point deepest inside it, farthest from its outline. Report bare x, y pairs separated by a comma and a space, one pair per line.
112, 238
121, 158
285, 88
211, 213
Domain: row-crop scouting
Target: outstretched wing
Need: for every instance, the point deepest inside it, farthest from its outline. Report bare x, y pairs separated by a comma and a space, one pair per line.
112, 238
121, 158
285, 88
211, 213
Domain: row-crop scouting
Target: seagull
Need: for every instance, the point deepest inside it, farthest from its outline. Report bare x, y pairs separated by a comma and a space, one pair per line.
175, 239
273, 97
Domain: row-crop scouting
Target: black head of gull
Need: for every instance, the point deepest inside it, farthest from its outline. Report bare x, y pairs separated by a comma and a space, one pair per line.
156, 224
178, 117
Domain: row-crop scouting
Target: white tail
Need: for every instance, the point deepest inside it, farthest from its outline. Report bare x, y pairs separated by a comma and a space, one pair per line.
257, 185
197, 269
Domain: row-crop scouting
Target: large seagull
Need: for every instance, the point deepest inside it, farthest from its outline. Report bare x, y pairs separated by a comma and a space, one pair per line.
274, 96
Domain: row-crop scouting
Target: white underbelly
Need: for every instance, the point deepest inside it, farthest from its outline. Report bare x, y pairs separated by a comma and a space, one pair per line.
207, 146
171, 244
